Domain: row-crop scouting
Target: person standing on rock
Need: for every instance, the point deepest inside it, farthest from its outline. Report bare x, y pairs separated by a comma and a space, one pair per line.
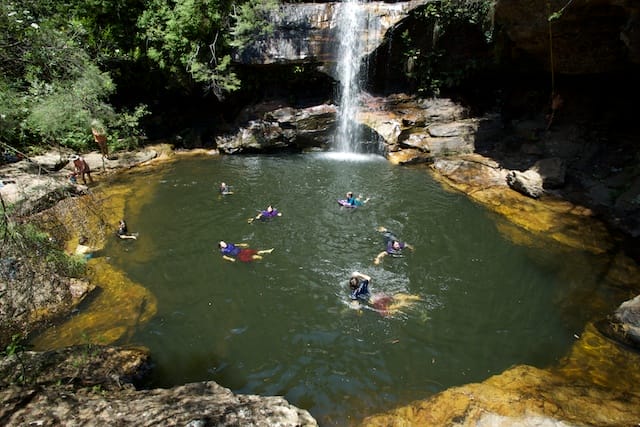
100, 137
81, 168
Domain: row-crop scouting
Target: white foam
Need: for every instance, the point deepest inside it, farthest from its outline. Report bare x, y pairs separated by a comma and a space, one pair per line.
349, 157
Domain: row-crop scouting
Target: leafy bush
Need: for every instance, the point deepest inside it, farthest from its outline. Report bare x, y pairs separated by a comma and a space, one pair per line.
430, 66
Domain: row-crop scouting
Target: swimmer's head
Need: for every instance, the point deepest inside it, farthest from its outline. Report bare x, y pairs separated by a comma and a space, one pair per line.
353, 282
222, 244
396, 244
349, 194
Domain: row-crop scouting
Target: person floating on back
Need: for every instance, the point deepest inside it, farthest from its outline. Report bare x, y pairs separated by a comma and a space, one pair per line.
269, 212
225, 189
240, 251
123, 231
394, 246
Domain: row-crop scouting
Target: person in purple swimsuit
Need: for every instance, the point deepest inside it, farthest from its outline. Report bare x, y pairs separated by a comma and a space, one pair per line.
269, 212
394, 247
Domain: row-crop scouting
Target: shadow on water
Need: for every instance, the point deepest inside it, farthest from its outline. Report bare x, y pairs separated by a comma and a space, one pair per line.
471, 303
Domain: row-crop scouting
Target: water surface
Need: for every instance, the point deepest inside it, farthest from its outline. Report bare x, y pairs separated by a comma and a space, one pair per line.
285, 326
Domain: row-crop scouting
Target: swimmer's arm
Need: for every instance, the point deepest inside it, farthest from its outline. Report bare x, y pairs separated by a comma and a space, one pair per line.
242, 245
361, 276
379, 257
406, 245
228, 258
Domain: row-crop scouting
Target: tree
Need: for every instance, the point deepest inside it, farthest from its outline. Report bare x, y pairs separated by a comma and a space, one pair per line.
51, 88
194, 39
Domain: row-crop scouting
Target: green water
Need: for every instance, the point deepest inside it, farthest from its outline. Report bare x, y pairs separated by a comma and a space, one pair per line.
284, 326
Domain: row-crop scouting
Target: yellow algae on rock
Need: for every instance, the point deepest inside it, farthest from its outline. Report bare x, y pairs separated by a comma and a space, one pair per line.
548, 217
119, 307
601, 361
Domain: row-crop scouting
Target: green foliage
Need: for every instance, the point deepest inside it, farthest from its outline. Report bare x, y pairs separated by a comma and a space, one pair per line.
108, 26
252, 21
557, 14
13, 111
430, 67
52, 88
62, 111
185, 38
28, 239
125, 132
15, 346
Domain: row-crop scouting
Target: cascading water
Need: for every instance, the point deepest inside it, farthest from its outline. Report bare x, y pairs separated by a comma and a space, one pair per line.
351, 28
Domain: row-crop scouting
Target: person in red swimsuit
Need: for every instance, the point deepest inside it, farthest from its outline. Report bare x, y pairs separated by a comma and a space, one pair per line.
240, 251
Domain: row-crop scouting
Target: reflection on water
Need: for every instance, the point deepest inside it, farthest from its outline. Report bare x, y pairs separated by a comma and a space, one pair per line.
471, 303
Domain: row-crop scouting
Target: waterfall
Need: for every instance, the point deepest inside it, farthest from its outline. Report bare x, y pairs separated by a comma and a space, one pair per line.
351, 31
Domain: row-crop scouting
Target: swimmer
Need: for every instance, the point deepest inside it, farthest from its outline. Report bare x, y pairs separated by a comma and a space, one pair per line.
269, 212
225, 189
394, 247
240, 251
123, 231
355, 201
359, 286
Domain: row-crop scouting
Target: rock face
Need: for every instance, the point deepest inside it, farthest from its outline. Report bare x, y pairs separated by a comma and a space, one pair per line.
306, 33
624, 324
283, 128
93, 385
34, 292
588, 37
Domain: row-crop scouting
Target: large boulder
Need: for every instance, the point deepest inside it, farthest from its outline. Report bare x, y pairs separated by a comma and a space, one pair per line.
624, 324
528, 183
94, 385
281, 129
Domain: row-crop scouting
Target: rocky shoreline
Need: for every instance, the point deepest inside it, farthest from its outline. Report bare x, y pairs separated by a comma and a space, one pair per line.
555, 197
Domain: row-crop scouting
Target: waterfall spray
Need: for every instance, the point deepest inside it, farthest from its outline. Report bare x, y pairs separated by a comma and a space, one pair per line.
351, 30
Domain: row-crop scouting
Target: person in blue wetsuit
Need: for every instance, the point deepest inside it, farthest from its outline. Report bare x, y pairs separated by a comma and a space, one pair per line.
355, 201
359, 285
269, 212
393, 246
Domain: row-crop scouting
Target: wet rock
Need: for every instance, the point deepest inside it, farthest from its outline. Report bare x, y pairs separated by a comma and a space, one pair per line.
528, 183
281, 129
624, 325
206, 404
81, 366
94, 385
